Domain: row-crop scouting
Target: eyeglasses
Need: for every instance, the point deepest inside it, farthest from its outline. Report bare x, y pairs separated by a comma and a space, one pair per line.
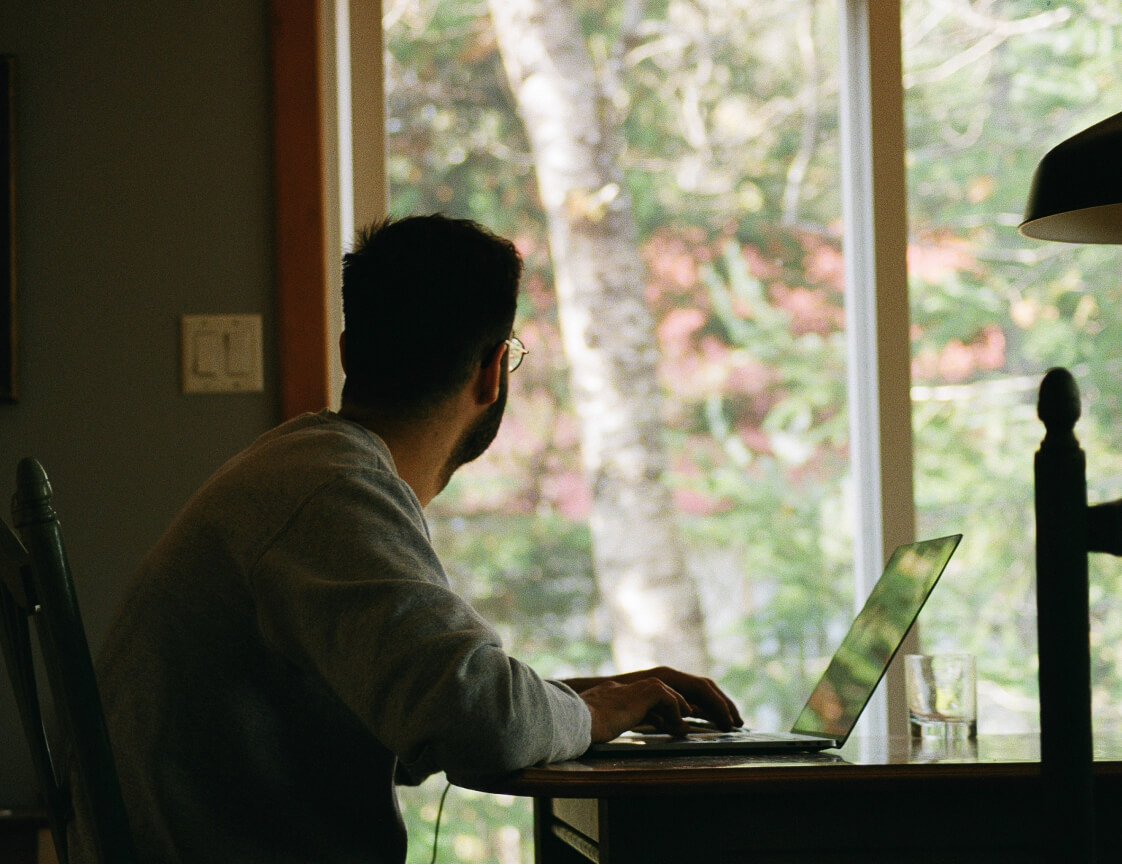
516, 351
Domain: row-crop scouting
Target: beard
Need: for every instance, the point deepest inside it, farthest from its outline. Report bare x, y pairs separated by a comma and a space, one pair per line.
478, 437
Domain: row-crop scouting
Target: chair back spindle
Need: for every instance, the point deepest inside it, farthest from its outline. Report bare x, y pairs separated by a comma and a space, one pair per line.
1063, 621
39, 585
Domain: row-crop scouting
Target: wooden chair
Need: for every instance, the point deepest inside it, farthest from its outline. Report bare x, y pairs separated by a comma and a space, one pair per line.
1067, 529
36, 584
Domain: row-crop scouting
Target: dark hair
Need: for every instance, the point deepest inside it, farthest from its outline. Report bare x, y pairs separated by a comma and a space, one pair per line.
426, 300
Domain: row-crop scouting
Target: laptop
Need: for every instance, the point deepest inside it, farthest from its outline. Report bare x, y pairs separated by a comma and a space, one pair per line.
839, 698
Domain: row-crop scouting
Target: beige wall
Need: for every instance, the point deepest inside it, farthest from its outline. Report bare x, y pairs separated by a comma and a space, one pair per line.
144, 192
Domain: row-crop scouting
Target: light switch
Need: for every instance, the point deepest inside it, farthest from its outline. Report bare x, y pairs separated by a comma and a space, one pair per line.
208, 353
221, 354
239, 352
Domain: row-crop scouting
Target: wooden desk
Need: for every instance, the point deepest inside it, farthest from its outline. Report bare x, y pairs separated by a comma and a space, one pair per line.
874, 800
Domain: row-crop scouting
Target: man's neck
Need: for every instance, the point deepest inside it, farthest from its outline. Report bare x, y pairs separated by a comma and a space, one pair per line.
420, 449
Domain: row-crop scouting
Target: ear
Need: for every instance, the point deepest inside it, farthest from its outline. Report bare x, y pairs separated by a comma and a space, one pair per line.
490, 376
343, 350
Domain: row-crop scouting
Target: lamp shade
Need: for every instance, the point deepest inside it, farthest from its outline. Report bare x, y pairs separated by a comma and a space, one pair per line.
1076, 193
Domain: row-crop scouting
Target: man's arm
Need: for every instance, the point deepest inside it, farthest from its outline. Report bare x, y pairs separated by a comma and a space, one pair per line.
353, 592
661, 696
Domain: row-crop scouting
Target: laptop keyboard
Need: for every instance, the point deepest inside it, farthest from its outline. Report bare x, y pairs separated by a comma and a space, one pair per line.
739, 735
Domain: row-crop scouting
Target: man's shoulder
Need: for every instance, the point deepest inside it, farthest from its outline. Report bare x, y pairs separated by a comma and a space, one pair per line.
325, 433
320, 444
291, 462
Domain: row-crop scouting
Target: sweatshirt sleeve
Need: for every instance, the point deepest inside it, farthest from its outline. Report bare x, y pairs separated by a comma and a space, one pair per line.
351, 590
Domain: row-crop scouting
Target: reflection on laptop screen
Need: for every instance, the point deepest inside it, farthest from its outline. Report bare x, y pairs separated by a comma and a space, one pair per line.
876, 634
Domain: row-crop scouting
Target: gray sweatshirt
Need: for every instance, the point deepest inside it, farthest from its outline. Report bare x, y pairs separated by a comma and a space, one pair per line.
289, 644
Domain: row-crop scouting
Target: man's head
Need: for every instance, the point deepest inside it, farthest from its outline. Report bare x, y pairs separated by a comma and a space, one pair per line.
427, 300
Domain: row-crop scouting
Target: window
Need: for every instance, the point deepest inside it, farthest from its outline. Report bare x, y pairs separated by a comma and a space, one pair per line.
990, 88
720, 215
672, 481
719, 130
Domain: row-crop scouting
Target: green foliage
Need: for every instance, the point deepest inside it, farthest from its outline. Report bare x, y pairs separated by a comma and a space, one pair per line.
532, 576
510, 835
992, 311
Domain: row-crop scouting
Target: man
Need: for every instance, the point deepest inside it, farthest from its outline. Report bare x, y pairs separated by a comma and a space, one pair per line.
292, 644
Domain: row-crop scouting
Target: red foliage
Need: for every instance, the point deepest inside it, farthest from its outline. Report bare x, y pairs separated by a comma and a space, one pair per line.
697, 503
760, 266
676, 330
935, 255
823, 264
672, 265
811, 310
567, 491
957, 361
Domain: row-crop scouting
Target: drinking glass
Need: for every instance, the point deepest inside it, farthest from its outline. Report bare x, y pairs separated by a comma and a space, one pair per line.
942, 695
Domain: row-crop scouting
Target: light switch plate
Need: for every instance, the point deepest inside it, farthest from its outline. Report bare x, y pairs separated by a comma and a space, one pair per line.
221, 354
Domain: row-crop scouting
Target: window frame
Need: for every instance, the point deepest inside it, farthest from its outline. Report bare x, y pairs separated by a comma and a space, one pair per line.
874, 210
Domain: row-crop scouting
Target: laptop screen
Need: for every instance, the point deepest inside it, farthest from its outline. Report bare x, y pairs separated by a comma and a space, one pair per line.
874, 637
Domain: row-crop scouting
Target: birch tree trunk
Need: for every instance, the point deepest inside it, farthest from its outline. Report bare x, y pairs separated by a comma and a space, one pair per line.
608, 334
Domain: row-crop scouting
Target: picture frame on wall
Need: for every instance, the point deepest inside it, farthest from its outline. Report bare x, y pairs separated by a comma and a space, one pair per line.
9, 379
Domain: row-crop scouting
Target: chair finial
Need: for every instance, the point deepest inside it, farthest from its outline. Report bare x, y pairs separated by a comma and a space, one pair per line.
32, 499
1058, 406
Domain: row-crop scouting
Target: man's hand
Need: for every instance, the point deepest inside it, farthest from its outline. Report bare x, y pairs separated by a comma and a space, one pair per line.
616, 707
661, 697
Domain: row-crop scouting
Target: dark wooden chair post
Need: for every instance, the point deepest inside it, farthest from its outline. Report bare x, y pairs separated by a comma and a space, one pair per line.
1063, 622
17, 604
70, 673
